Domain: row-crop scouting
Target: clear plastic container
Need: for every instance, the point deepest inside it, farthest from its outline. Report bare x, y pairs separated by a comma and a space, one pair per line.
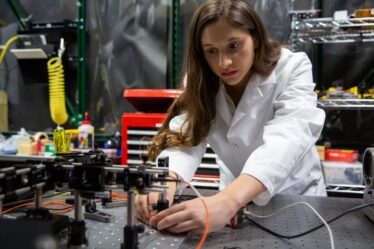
346, 173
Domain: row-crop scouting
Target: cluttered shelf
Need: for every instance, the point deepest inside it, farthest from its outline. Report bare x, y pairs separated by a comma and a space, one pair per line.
343, 27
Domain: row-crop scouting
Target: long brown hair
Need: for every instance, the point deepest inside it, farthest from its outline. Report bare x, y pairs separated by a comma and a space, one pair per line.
198, 98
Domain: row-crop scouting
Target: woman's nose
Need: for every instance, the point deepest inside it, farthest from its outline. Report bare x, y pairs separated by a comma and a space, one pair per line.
224, 61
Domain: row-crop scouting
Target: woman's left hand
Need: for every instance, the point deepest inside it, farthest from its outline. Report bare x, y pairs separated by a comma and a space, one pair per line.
191, 215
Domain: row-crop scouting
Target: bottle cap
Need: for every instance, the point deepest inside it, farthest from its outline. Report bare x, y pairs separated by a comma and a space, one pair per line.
86, 121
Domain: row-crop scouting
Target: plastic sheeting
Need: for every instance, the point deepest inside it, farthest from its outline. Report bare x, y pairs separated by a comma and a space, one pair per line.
28, 104
127, 48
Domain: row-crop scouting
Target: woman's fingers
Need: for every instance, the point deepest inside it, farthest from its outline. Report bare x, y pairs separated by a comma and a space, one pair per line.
175, 218
183, 227
192, 216
180, 218
174, 209
152, 199
170, 196
144, 206
139, 217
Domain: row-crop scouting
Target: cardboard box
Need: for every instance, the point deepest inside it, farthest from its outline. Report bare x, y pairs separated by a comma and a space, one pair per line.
321, 152
341, 155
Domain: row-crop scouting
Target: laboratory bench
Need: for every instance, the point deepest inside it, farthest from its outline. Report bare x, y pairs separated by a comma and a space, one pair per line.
353, 230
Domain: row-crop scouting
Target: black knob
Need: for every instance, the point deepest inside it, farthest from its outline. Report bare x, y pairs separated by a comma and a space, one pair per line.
140, 228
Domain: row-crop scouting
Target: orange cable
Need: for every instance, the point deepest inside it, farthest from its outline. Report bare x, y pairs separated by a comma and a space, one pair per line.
63, 211
207, 219
57, 202
118, 199
116, 194
119, 195
16, 207
60, 202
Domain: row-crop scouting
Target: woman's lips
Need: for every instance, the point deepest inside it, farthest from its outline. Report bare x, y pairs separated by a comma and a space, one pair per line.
229, 73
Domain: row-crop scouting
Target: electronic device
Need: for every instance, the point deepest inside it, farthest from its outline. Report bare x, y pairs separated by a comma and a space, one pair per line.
368, 169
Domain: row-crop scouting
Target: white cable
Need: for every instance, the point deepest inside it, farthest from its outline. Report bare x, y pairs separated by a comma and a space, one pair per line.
294, 204
196, 191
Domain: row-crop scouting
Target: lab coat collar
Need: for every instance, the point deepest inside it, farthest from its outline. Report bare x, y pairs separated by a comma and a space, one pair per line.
256, 89
222, 106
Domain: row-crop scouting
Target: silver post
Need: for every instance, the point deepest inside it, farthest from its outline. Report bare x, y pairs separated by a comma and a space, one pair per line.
131, 207
78, 206
1, 207
38, 197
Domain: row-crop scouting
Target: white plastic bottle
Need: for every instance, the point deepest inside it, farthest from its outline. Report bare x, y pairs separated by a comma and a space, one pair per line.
86, 134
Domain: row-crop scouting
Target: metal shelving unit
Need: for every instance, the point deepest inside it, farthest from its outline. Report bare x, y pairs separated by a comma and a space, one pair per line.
347, 104
345, 190
305, 29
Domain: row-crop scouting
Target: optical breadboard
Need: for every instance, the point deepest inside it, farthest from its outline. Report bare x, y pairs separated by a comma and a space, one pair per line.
353, 230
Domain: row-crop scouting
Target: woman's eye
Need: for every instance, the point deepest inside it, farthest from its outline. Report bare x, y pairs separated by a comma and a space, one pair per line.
234, 46
211, 51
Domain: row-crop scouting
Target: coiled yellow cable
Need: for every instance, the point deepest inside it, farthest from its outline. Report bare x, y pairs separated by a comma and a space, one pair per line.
57, 91
6, 46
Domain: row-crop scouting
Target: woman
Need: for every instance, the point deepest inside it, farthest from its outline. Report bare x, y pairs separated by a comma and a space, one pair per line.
253, 102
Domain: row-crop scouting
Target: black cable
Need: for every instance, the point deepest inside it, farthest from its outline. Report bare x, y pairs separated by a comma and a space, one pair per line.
312, 229
160, 179
32, 199
182, 198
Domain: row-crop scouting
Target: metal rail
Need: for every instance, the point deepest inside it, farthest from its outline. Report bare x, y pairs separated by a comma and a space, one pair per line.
367, 104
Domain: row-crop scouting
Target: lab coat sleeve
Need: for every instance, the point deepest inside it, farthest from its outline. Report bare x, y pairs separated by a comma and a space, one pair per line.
183, 161
296, 126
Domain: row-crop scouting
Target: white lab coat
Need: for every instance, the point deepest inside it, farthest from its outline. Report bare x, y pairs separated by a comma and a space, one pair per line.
270, 136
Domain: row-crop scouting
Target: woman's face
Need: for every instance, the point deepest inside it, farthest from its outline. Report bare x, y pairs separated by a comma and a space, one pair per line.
229, 52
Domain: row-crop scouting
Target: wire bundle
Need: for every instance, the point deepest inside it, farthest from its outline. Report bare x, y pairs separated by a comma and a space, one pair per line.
6, 46
118, 196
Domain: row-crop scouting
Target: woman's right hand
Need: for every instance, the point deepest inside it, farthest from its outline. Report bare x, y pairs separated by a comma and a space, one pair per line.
144, 204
